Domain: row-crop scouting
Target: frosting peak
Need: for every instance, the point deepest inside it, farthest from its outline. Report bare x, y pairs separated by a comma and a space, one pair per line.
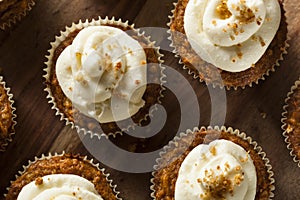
231, 34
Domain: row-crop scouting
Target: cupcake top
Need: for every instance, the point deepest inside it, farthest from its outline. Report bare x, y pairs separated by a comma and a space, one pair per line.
212, 163
60, 186
231, 34
103, 73
64, 176
219, 170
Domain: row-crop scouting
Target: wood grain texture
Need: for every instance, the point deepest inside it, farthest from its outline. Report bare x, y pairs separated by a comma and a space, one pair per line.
256, 111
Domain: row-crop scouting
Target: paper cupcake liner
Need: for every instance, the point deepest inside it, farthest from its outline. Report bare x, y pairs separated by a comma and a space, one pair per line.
98, 22
175, 143
285, 126
85, 158
218, 85
17, 16
11, 130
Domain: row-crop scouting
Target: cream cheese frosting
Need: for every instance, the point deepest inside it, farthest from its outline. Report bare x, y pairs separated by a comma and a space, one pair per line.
220, 170
231, 34
59, 187
103, 73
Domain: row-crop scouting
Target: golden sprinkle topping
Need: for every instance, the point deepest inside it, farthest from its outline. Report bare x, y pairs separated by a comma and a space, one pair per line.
222, 10
261, 40
213, 150
38, 181
240, 55
137, 82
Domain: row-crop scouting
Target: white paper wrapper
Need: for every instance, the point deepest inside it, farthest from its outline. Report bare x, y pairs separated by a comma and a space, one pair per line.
49, 156
98, 22
222, 85
8, 139
286, 126
175, 143
17, 16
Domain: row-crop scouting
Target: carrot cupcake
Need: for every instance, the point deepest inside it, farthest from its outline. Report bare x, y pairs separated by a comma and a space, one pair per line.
291, 122
7, 116
98, 74
229, 43
13, 10
62, 176
212, 163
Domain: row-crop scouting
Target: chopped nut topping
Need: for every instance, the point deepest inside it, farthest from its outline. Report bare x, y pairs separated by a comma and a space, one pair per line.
246, 15
227, 165
244, 159
214, 22
38, 181
223, 11
262, 42
69, 69
240, 55
238, 168
268, 19
258, 21
79, 77
213, 150
217, 186
78, 59
137, 82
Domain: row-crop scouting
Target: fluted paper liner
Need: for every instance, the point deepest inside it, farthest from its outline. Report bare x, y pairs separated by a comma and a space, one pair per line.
98, 22
17, 16
85, 158
218, 85
11, 129
287, 129
175, 143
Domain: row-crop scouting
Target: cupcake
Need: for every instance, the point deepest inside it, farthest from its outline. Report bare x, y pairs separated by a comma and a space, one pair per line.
63, 176
7, 116
103, 76
212, 163
290, 120
229, 43
13, 10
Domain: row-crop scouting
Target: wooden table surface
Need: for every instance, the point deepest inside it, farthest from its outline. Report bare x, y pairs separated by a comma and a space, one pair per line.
256, 111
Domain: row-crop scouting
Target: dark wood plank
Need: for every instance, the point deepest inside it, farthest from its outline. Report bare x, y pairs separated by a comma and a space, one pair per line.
257, 110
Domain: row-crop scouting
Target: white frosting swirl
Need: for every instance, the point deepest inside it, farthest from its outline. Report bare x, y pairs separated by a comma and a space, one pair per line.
231, 34
60, 187
103, 73
209, 170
